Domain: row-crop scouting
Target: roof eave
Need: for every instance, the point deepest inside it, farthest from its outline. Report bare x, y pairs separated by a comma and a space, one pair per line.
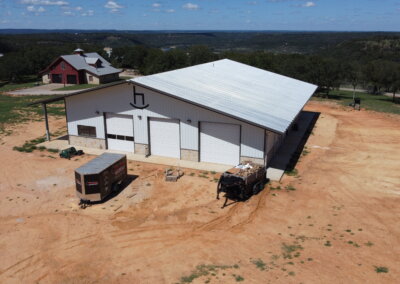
61, 97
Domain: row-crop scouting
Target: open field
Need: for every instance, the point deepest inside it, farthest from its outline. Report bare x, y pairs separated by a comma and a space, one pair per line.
379, 103
332, 220
15, 109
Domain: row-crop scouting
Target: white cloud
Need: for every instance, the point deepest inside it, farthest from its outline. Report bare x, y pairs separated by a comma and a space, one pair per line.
113, 6
88, 13
44, 2
34, 9
68, 13
308, 4
156, 5
79, 8
190, 6
170, 11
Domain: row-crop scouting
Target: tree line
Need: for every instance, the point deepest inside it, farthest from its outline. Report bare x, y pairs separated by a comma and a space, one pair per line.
328, 72
380, 75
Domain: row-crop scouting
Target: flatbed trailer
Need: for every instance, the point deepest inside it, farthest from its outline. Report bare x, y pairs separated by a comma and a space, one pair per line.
96, 179
240, 183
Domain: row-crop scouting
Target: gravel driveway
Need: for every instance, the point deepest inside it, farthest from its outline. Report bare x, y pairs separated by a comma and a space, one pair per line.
41, 90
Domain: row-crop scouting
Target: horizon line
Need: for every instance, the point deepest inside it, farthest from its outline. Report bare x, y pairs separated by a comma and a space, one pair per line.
200, 30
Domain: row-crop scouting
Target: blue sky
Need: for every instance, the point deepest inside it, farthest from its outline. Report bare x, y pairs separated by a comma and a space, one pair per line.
341, 15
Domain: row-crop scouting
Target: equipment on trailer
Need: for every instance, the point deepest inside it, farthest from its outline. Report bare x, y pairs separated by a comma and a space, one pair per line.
241, 182
70, 152
99, 177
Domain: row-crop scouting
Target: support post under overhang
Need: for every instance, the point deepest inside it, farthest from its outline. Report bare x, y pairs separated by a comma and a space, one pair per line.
46, 119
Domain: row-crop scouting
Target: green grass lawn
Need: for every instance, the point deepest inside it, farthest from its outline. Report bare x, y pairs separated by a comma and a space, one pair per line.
379, 103
12, 87
14, 109
76, 87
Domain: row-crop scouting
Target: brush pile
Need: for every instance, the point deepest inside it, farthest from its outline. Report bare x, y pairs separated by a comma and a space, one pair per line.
245, 169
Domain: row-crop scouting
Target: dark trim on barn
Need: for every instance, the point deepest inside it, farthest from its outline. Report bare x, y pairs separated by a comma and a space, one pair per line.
105, 128
265, 148
198, 138
240, 141
148, 137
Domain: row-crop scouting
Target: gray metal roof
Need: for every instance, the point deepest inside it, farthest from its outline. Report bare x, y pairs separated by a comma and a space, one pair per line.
91, 60
99, 164
79, 63
251, 94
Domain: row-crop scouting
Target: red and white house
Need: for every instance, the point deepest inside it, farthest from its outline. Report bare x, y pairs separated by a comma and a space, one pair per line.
80, 68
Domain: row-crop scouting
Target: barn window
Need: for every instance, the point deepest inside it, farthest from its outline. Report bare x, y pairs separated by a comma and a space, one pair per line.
89, 131
63, 65
90, 78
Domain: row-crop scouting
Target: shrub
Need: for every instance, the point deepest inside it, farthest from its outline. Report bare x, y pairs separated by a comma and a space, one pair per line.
259, 263
381, 269
292, 172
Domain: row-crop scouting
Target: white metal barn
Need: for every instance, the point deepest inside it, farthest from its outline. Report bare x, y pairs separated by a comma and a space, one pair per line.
220, 112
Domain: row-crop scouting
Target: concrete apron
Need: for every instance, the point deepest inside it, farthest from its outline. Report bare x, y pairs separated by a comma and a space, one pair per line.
203, 166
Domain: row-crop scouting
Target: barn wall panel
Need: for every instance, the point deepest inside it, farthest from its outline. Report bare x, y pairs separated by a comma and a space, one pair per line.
81, 109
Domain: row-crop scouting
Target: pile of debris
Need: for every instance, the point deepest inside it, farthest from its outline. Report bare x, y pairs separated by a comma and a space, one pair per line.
242, 181
245, 169
172, 174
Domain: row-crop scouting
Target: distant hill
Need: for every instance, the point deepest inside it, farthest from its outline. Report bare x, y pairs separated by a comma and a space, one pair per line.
367, 49
219, 41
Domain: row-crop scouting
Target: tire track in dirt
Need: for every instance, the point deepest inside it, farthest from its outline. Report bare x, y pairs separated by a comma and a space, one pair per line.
22, 261
194, 230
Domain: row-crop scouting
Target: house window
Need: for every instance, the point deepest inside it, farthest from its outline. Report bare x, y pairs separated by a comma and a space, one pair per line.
88, 131
90, 78
63, 65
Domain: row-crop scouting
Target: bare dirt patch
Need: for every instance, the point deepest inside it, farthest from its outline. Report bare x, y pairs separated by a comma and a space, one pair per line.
334, 221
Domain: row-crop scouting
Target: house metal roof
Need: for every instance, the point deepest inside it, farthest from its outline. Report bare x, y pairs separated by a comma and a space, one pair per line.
238, 90
79, 63
91, 60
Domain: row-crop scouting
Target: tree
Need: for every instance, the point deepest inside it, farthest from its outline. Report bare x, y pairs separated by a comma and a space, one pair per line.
200, 54
352, 75
395, 81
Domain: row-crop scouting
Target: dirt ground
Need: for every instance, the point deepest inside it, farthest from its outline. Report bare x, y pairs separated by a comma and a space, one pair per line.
333, 222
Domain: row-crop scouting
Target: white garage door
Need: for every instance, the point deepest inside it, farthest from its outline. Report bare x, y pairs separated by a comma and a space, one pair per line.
219, 143
120, 132
164, 137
